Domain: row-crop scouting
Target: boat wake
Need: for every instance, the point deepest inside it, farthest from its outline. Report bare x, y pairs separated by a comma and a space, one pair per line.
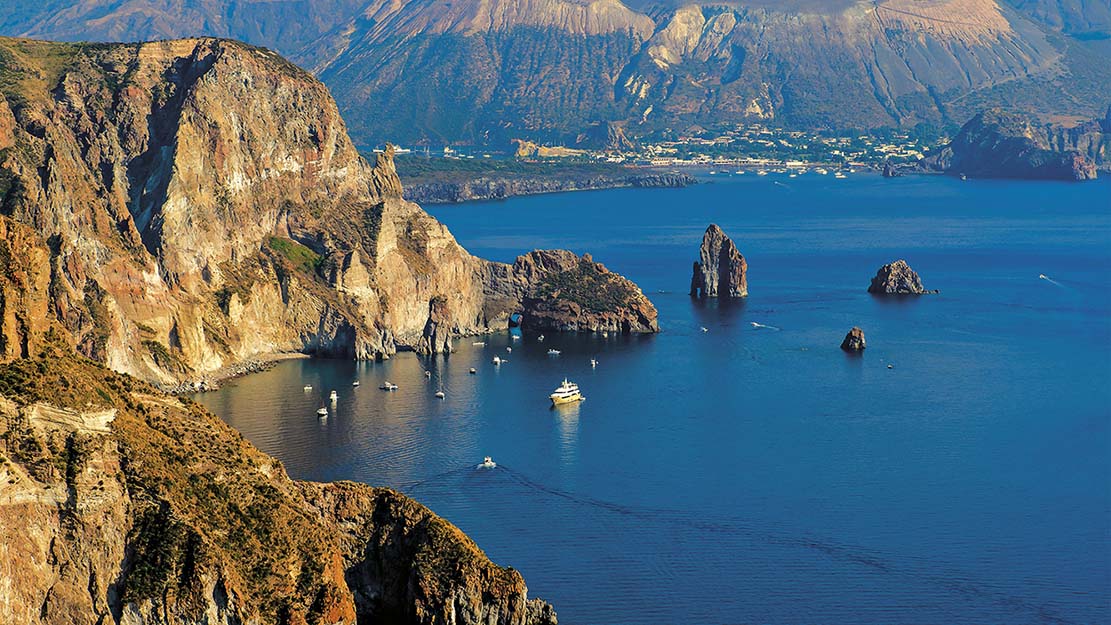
760, 326
1042, 276
919, 570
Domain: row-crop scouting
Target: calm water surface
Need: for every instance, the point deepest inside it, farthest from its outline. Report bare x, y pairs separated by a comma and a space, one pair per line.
758, 474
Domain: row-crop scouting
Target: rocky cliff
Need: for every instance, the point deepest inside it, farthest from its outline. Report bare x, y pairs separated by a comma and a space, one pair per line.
192, 204
1000, 144
119, 504
721, 270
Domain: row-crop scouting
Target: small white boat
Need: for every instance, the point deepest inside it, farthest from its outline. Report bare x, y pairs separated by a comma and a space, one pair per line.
473, 371
322, 412
388, 386
554, 352
540, 338
440, 395
713, 173
497, 361
516, 337
355, 383
333, 396
487, 463
479, 343
308, 387
740, 172
593, 362
605, 335
704, 329
428, 374
761, 173
1042, 276
509, 349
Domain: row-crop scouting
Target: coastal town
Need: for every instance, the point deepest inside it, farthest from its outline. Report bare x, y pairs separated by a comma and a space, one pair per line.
745, 146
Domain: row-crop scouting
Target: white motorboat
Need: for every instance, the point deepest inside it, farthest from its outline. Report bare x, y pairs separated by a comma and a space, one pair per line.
388, 386
473, 371
567, 393
497, 361
440, 395
333, 396
487, 463
704, 329
308, 387
509, 349
355, 383
593, 362
322, 412
553, 352
540, 338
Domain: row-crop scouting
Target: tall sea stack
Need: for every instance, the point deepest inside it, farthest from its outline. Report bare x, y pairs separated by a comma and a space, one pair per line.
721, 270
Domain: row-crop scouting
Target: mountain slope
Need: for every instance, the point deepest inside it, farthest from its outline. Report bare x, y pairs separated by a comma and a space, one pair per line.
121, 504
484, 71
196, 203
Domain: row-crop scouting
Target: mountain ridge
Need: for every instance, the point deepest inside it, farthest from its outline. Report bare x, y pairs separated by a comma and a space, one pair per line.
546, 69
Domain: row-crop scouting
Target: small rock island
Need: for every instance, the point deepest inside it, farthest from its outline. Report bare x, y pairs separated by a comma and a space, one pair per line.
897, 278
854, 340
721, 270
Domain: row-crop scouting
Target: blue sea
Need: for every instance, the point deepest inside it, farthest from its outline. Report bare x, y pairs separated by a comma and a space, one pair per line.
959, 471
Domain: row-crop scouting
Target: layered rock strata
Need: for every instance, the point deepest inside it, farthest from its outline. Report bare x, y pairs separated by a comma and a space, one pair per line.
897, 278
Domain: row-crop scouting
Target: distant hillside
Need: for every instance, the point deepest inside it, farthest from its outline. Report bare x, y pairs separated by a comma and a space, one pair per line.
476, 71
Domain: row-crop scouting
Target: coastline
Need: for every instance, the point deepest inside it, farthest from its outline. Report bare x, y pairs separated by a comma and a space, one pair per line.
500, 188
211, 381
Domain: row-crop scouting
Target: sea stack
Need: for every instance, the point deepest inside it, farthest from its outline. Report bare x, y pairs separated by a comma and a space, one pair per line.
854, 341
897, 278
721, 270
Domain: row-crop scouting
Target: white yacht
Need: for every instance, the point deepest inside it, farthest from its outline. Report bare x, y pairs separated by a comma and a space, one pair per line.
497, 361
488, 463
554, 352
334, 396
355, 383
388, 386
440, 395
593, 363
323, 412
567, 393
308, 387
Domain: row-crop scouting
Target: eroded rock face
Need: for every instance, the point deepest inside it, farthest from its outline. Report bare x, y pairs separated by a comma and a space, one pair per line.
722, 270
854, 341
559, 291
197, 203
1001, 144
121, 504
897, 278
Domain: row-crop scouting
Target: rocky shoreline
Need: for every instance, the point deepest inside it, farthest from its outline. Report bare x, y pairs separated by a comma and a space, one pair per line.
212, 381
499, 188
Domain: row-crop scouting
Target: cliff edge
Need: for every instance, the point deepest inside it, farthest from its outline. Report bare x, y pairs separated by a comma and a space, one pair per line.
181, 206
121, 504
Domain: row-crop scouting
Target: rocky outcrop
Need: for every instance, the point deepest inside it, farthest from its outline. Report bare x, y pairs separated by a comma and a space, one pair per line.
854, 341
558, 291
897, 278
721, 270
498, 188
121, 504
999, 144
182, 206
890, 170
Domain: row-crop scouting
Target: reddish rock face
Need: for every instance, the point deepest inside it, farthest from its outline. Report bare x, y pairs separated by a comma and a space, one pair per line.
897, 278
854, 341
722, 270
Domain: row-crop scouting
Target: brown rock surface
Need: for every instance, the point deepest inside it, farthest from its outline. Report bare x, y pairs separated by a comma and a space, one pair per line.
721, 270
200, 204
854, 340
121, 504
897, 278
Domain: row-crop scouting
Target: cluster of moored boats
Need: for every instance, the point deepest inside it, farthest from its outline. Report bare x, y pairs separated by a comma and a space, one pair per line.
566, 393
794, 172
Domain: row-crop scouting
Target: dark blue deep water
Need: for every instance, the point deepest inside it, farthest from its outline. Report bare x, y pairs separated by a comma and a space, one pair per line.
758, 474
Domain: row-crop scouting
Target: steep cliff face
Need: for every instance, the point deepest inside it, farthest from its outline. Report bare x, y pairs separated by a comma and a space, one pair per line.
1001, 144
121, 504
199, 202
721, 270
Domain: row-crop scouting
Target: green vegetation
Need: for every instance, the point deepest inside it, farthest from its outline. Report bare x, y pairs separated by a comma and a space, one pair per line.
300, 257
588, 287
